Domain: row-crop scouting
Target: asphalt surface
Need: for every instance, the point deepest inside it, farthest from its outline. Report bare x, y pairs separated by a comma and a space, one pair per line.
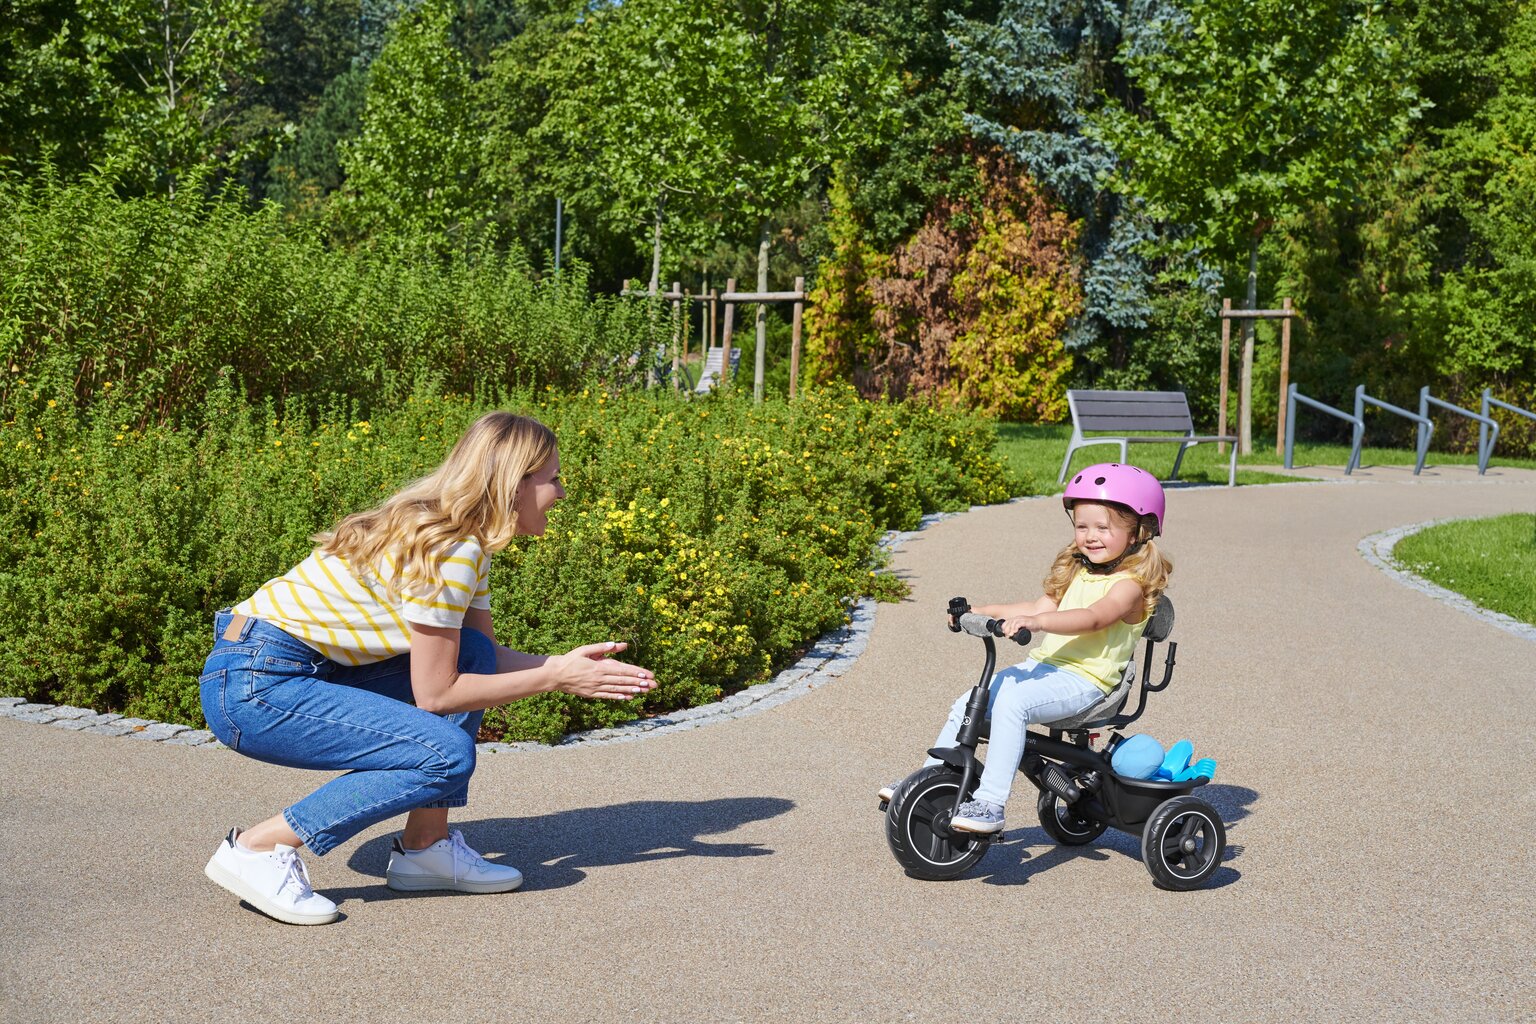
1376, 776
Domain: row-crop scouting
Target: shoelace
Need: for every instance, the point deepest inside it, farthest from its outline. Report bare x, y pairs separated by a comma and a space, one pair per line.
295, 875
462, 851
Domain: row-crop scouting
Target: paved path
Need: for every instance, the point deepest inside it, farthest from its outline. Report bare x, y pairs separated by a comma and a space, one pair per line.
1377, 770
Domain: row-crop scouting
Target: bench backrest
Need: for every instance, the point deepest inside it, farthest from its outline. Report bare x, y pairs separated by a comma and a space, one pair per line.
1127, 412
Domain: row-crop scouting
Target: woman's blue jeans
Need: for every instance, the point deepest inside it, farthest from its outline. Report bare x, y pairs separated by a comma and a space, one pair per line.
271, 697
1026, 693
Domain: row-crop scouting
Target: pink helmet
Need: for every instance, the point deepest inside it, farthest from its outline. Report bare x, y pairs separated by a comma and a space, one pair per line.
1134, 488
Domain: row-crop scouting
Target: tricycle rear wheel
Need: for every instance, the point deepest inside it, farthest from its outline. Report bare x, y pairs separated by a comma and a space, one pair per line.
1182, 843
1064, 824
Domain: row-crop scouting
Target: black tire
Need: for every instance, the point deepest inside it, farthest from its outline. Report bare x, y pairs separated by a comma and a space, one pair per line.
1063, 824
916, 827
1183, 843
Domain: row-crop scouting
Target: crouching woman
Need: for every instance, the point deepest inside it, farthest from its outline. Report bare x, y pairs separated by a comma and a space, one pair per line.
376, 656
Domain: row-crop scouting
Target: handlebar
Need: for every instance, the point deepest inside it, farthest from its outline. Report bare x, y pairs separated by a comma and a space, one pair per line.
982, 626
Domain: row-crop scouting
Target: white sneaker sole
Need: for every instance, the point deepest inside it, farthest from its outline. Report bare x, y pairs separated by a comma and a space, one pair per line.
437, 883
217, 873
972, 825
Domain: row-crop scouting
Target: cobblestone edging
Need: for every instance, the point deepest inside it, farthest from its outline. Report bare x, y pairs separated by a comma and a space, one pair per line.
1377, 549
831, 656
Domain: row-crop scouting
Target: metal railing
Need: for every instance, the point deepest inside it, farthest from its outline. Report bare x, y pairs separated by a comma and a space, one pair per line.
1292, 396
1484, 443
1426, 425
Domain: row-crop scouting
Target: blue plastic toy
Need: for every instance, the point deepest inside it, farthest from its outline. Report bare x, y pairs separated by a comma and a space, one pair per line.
1176, 761
1137, 757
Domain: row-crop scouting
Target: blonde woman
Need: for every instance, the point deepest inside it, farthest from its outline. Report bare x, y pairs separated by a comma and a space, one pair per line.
376, 656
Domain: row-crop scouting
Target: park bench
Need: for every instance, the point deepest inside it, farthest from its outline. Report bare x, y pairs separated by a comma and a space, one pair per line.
1129, 416
710, 374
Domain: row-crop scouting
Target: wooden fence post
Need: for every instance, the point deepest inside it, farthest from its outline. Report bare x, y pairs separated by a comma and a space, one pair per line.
725, 345
678, 333
794, 337
1226, 346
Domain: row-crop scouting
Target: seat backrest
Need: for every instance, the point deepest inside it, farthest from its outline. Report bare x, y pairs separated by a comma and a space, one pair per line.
1107, 707
1127, 412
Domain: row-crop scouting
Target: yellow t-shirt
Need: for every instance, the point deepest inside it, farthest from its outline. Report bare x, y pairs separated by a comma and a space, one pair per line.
350, 620
1099, 657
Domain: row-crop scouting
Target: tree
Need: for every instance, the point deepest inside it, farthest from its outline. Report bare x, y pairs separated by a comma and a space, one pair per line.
412, 171
143, 88
1251, 110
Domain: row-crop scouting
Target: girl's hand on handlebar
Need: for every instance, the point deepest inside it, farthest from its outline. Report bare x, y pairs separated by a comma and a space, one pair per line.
588, 671
1014, 623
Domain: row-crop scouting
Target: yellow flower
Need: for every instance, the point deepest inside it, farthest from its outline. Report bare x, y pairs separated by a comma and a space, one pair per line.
52, 403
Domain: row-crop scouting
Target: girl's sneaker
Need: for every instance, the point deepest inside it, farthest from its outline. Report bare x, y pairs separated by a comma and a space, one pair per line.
978, 816
448, 864
274, 882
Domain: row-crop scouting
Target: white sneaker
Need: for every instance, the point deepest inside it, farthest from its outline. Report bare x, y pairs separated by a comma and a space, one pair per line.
448, 864
274, 882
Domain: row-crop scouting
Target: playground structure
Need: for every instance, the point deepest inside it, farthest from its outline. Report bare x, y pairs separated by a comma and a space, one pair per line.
1487, 433
719, 356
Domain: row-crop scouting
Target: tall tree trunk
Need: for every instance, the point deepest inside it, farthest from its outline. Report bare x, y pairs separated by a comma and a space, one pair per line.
1245, 418
762, 313
661, 202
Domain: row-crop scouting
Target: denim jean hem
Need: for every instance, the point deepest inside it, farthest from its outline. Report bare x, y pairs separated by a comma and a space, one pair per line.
311, 840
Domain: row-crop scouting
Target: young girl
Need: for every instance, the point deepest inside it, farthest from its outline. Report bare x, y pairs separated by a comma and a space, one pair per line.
1098, 596
376, 656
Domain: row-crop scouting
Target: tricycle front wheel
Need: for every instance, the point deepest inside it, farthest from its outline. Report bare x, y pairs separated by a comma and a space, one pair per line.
917, 827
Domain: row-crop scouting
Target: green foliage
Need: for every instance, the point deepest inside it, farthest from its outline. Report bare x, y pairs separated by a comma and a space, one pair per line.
718, 537
154, 295
412, 171
969, 311
1309, 93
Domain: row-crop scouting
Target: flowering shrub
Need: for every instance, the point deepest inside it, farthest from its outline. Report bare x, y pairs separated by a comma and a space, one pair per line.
716, 536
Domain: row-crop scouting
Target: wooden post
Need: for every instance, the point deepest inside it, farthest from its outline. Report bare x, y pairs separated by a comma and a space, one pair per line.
679, 335
714, 326
725, 344
794, 338
1285, 375
1226, 347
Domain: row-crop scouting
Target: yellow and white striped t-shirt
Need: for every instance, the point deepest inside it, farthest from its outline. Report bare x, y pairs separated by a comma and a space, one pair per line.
350, 620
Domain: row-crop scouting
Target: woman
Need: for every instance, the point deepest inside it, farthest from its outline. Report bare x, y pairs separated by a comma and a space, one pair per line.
376, 656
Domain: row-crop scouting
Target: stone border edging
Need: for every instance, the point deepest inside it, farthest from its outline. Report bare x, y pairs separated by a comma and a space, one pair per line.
829, 657
1377, 549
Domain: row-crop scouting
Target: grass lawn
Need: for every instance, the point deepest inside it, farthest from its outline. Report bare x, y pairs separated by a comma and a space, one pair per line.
1035, 452
1491, 562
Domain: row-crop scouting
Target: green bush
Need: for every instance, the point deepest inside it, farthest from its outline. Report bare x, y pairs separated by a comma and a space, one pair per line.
154, 295
716, 536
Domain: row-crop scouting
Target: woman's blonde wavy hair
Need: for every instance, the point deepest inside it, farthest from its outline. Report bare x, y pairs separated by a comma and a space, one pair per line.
472, 494
1147, 565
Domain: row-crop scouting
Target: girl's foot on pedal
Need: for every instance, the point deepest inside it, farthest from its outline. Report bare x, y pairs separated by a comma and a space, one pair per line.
978, 816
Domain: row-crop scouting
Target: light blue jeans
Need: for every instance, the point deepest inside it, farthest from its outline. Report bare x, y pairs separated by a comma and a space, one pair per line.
271, 697
1021, 695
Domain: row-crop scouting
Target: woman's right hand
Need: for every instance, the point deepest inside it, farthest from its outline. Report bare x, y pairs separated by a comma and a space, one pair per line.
589, 671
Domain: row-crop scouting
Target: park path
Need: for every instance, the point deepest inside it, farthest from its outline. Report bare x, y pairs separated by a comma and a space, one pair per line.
1376, 773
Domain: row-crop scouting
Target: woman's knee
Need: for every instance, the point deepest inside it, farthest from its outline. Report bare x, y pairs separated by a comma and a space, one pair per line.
455, 760
477, 652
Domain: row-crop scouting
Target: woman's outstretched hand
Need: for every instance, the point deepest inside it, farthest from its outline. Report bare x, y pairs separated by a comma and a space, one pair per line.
588, 671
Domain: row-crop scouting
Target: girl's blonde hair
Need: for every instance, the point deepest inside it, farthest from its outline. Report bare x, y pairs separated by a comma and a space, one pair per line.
472, 494
1147, 565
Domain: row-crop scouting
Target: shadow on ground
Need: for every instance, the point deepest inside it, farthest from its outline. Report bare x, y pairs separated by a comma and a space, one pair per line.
1019, 857
554, 850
